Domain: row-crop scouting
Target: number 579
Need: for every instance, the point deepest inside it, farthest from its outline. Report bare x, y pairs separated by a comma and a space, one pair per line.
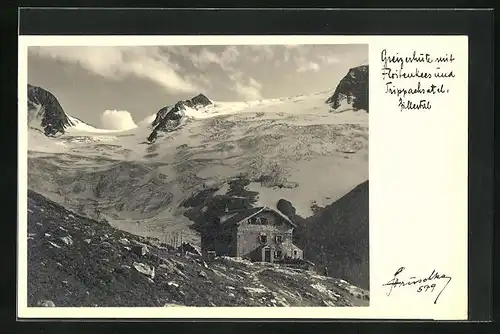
425, 288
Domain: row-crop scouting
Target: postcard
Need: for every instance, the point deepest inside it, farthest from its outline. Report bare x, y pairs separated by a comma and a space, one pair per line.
269, 177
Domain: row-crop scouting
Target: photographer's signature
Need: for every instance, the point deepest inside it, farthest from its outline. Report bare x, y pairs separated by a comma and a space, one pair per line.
421, 284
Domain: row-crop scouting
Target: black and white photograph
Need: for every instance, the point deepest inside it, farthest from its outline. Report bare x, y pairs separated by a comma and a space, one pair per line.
198, 175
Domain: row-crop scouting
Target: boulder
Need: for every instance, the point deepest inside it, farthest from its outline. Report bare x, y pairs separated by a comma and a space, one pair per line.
124, 241
145, 269
45, 303
67, 240
140, 250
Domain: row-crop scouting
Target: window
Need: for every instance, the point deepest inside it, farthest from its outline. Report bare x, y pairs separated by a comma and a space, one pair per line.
279, 239
294, 253
263, 238
252, 220
278, 254
211, 255
263, 221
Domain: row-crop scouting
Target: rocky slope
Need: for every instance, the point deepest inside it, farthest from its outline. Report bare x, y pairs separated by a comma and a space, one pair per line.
45, 113
74, 261
337, 237
168, 118
352, 91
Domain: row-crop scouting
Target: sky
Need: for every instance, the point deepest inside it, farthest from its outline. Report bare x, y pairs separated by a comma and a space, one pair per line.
117, 87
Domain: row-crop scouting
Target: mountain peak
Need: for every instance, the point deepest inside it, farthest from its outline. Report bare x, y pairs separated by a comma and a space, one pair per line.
201, 99
168, 118
352, 91
45, 112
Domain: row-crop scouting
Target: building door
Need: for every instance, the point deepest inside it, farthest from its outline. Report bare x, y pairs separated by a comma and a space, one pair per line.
267, 254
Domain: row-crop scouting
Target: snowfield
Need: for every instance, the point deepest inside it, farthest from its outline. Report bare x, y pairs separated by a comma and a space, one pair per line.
83, 128
317, 156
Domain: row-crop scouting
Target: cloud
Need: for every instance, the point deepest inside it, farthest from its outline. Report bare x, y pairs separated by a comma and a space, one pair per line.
117, 120
248, 88
261, 52
116, 62
224, 59
296, 53
301, 55
230, 54
204, 58
329, 59
305, 66
287, 55
202, 81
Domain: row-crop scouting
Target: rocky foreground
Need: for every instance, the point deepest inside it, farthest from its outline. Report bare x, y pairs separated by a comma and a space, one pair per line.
74, 261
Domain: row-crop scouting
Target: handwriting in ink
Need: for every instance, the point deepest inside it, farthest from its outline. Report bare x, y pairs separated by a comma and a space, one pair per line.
397, 59
421, 284
389, 73
412, 77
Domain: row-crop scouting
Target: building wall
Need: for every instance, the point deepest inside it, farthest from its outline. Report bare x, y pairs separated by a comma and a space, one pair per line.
248, 234
296, 252
244, 240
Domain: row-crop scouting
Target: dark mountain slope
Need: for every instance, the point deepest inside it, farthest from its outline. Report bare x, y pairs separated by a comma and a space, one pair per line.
168, 118
337, 237
352, 91
74, 261
44, 107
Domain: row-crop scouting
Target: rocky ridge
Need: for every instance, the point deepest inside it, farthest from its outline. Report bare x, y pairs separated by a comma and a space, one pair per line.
74, 261
168, 118
352, 91
45, 112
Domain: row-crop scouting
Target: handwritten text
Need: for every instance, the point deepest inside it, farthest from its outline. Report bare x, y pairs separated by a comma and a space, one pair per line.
416, 79
420, 284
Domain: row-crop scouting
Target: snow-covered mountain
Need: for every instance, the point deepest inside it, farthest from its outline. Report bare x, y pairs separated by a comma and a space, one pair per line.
168, 118
278, 145
352, 91
45, 113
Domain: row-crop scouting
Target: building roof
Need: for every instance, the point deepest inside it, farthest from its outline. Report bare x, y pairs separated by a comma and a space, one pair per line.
245, 214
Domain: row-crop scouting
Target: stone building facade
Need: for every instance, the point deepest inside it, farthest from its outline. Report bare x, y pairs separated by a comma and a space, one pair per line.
259, 234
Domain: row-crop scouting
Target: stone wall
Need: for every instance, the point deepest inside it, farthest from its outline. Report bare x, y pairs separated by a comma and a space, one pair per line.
248, 234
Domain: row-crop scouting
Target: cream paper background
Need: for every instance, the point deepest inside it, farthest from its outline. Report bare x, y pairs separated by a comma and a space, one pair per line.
418, 187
